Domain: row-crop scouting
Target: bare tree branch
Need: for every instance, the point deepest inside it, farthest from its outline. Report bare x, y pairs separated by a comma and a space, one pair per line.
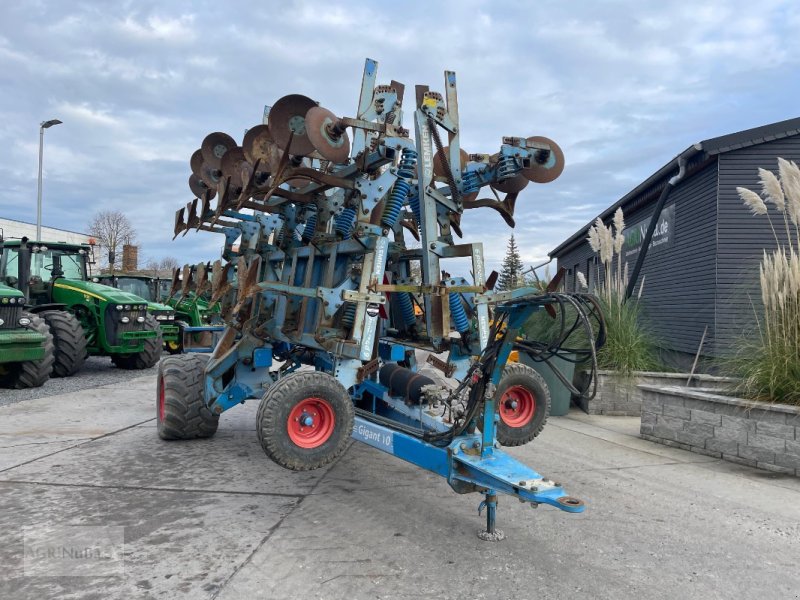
112, 229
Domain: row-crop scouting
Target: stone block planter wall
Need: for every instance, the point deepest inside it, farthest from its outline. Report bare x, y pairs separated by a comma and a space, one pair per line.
621, 396
740, 431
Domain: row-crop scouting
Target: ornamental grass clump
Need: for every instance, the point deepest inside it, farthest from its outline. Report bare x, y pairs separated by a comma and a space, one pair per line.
629, 345
769, 363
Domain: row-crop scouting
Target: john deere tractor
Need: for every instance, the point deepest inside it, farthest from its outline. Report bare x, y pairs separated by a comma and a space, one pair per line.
146, 287
26, 345
85, 318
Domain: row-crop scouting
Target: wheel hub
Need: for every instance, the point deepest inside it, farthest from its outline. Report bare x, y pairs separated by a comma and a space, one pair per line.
311, 422
517, 406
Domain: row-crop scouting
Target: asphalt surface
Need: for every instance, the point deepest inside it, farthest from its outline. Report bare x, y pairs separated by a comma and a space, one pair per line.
97, 371
216, 519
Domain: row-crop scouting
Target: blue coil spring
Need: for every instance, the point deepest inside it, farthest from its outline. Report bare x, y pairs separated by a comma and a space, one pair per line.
349, 315
405, 171
458, 313
507, 167
344, 222
470, 182
311, 225
413, 202
406, 308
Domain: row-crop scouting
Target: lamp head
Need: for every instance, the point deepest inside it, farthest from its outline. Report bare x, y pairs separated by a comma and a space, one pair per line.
50, 123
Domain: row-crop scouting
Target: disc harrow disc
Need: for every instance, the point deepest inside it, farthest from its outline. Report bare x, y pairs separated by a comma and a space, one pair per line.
321, 130
438, 162
287, 120
196, 162
232, 165
258, 144
551, 169
199, 187
214, 147
511, 185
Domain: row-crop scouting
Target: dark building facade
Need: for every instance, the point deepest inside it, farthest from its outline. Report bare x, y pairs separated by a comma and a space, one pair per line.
701, 270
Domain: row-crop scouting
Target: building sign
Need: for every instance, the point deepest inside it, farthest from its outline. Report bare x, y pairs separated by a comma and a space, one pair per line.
662, 235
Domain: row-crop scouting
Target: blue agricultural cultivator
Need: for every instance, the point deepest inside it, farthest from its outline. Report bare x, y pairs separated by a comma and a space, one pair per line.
332, 288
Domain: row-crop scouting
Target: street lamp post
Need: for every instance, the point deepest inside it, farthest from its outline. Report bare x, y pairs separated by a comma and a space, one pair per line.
44, 125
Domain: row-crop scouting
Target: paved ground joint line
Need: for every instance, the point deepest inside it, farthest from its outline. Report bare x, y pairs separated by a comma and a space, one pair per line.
277, 525
144, 488
89, 441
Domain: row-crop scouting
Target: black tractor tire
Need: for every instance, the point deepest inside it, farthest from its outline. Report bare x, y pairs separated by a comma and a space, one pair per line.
69, 340
296, 391
31, 373
181, 411
528, 385
148, 357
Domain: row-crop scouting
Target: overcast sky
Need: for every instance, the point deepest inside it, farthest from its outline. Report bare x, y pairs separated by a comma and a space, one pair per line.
621, 86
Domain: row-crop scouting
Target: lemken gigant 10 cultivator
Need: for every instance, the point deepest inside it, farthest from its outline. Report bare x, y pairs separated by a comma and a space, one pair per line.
317, 278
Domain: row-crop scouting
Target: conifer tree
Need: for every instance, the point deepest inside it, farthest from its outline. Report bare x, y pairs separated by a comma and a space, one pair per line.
511, 273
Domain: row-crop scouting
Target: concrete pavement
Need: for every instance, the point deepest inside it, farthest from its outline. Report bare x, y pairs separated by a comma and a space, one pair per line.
217, 519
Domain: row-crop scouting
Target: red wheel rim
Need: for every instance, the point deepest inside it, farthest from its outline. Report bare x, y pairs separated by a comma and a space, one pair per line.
311, 422
161, 408
517, 406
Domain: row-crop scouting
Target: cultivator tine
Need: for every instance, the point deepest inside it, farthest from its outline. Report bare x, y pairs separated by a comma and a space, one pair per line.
180, 223
176, 280
247, 284
192, 220
225, 343
553, 286
186, 284
201, 285
220, 281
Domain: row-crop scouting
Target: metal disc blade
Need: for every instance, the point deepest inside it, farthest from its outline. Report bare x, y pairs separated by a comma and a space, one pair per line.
552, 168
214, 147
287, 117
511, 185
332, 146
196, 161
438, 163
258, 144
231, 166
210, 176
199, 187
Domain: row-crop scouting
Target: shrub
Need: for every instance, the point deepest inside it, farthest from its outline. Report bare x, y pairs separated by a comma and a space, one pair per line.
768, 363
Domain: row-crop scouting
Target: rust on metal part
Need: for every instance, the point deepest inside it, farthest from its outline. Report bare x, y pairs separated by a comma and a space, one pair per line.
214, 147
287, 124
445, 367
538, 173
367, 369
328, 134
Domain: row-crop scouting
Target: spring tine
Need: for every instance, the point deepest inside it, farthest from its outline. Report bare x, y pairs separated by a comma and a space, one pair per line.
202, 279
180, 223
186, 285
175, 283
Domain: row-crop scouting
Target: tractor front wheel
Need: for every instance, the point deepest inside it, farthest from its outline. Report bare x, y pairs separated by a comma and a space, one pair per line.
305, 420
69, 341
181, 411
31, 373
148, 356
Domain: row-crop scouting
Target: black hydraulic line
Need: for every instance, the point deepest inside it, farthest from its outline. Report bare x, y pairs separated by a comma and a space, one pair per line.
662, 199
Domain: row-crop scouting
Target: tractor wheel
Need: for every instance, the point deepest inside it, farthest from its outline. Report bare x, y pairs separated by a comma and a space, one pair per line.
31, 373
69, 342
523, 403
147, 357
177, 347
181, 410
305, 420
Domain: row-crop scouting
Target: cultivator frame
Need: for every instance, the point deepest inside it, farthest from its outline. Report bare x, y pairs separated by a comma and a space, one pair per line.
316, 271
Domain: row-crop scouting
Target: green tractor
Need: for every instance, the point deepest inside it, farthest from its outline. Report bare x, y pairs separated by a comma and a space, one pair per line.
146, 287
26, 344
199, 319
85, 318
